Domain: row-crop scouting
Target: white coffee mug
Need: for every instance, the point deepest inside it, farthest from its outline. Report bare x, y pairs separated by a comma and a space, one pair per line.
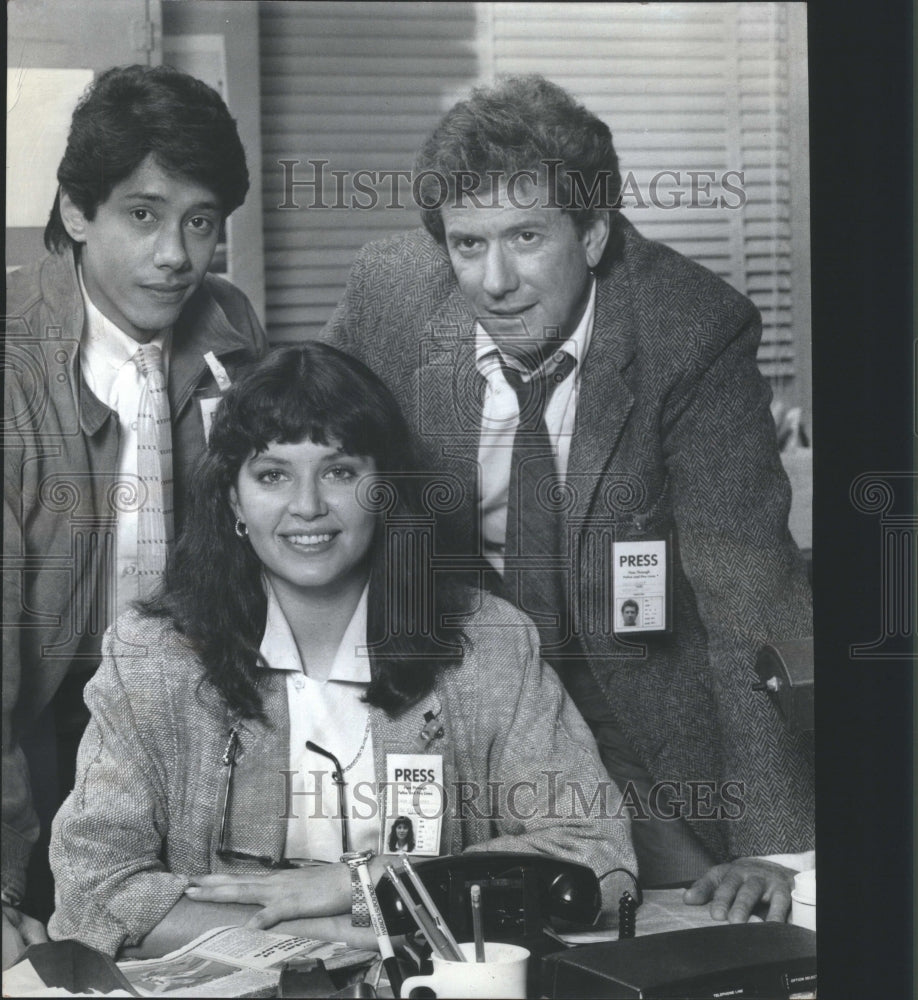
501, 974
803, 900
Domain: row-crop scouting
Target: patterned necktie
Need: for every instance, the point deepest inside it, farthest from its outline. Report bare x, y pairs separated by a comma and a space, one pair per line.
534, 578
154, 469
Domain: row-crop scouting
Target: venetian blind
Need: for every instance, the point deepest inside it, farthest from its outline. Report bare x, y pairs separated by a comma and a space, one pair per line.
764, 119
358, 85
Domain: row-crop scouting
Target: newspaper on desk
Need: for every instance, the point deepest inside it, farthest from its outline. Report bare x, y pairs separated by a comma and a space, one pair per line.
234, 962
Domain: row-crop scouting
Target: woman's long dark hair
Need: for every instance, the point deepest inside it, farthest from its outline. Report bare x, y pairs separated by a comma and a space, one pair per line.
393, 840
213, 590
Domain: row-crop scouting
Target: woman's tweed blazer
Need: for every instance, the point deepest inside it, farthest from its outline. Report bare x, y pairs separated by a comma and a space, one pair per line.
145, 811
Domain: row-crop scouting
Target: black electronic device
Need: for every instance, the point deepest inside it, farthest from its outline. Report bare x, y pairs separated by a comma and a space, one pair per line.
305, 977
76, 967
771, 960
786, 669
520, 894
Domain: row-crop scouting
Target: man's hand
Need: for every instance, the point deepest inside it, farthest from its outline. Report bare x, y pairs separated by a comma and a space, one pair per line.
737, 887
19, 931
291, 894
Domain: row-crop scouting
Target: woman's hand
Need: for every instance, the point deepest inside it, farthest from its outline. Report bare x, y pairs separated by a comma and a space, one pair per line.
19, 931
290, 894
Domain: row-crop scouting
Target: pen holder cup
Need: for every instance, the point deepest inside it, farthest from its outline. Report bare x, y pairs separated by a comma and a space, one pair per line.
803, 900
501, 974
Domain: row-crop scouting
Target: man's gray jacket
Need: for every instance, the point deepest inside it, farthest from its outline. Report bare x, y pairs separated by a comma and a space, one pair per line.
673, 438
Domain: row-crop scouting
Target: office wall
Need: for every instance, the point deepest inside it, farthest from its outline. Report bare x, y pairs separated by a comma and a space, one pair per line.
73, 42
205, 38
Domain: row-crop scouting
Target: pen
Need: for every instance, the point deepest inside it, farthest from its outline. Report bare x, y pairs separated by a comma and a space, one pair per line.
390, 962
476, 923
452, 946
421, 917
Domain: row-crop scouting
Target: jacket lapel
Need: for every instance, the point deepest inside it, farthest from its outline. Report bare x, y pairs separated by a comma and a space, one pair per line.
446, 391
255, 823
60, 289
203, 326
605, 397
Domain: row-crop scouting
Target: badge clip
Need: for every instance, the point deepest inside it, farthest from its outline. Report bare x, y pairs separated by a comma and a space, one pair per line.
431, 730
218, 371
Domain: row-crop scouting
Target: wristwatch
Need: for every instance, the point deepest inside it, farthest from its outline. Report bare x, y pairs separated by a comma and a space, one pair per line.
360, 911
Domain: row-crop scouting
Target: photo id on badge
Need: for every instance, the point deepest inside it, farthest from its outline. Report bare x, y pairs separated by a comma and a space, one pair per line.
417, 800
640, 589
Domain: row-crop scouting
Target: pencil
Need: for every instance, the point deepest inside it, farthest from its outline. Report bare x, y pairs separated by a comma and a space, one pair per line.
476, 924
390, 962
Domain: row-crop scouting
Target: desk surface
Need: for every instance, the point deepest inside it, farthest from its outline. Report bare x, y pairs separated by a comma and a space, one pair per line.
662, 910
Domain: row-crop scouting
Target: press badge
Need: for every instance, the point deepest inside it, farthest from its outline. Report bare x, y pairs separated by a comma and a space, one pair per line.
641, 586
416, 801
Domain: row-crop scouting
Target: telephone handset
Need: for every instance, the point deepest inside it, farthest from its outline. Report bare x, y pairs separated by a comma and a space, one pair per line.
520, 893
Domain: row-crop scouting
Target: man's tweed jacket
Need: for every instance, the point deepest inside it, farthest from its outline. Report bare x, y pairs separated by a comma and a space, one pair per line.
61, 496
673, 434
145, 812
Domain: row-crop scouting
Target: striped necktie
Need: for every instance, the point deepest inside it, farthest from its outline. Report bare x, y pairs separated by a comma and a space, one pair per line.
534, 575
154, 469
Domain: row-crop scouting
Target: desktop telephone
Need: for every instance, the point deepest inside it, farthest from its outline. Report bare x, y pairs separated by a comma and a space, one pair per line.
520, 893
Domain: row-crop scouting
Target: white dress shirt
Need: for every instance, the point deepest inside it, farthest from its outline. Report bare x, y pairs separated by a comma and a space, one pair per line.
332, 715
106, 354
500, 419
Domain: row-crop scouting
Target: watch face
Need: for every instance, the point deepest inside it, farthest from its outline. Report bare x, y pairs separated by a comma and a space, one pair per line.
355, 856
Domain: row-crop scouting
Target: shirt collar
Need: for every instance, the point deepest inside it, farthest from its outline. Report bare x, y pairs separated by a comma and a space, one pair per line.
577, 344
278, 647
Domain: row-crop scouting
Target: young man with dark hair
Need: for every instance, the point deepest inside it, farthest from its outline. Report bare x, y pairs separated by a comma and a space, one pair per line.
117, 346
592, 397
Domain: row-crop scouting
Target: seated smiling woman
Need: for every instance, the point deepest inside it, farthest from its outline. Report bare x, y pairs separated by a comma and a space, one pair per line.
284, 652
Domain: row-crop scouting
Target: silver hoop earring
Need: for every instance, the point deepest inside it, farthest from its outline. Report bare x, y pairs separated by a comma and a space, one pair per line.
240, 528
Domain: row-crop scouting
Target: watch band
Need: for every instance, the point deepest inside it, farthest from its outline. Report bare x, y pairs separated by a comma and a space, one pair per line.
360, 911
